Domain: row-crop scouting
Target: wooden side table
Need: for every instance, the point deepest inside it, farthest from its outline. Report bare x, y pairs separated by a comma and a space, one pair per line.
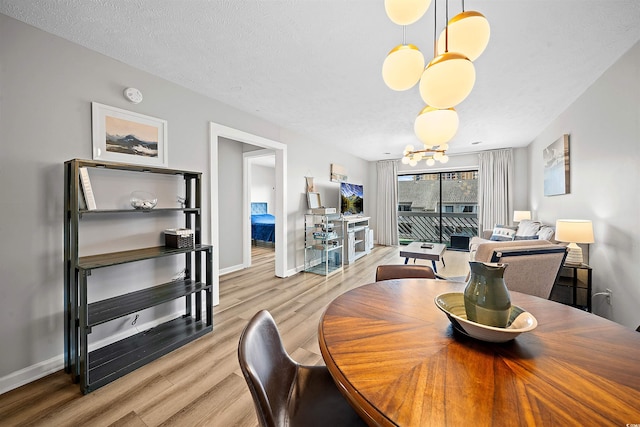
569, 277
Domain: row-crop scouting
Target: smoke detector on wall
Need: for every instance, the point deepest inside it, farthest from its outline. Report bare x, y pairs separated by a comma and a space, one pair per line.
133, 95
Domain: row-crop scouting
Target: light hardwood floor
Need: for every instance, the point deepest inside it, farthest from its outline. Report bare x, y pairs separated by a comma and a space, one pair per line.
201, 384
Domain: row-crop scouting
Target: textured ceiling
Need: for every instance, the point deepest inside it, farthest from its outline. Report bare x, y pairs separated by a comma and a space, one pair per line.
314, 66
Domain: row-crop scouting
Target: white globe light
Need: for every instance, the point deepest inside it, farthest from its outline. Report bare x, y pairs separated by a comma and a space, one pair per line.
444, 147
405, 12
444, 158
430, 161
413, 163
435, 126
437, 155
409, 148
403, 67
469, 34
447, 80
405, 160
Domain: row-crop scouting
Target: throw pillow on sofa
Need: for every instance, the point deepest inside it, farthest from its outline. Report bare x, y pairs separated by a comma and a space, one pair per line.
546, 233
527, 230
528, 227
503, 233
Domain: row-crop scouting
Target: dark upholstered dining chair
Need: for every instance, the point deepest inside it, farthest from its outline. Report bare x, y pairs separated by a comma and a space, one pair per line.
404, 271
284, 392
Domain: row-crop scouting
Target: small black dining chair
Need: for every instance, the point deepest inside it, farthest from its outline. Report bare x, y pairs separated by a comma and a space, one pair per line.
284, 392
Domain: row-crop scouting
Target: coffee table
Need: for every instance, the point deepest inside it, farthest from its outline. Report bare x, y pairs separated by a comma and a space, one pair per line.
416, 251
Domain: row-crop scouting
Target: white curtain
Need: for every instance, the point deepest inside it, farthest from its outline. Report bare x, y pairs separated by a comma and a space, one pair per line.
495, 198
386, 211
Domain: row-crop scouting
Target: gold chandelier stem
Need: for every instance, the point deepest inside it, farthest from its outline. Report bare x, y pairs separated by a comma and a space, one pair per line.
435, 36
446, 28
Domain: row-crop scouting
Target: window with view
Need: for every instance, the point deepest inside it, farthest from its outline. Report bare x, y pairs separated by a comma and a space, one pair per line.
434, 206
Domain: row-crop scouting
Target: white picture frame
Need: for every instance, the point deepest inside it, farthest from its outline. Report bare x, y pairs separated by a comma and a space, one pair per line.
313, 199
126, 137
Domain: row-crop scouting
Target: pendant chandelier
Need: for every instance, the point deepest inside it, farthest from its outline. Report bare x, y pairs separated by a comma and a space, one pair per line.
469, 34
406, 12
446, 81
403, 66
449, 77
435, 126
430, 155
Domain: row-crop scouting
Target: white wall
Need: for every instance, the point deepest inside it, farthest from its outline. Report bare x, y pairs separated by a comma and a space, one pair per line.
314, 160
604, 129
230, 165
263, 184
47, 85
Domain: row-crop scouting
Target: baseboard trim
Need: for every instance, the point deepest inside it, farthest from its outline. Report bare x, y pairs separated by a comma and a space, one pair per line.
31, 373
231, 269
56, 363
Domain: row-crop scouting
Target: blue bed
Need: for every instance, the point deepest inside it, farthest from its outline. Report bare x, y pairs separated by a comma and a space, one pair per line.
263, 225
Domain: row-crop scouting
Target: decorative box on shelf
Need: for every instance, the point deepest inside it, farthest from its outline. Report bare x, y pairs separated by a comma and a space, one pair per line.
178, 238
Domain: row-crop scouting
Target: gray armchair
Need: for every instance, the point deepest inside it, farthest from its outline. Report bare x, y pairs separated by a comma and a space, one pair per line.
533, 265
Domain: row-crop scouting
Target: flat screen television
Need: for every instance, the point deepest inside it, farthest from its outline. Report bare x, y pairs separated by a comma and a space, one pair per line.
351, 199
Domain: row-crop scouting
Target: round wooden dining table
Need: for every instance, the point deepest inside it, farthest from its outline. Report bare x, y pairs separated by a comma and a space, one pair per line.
397, 359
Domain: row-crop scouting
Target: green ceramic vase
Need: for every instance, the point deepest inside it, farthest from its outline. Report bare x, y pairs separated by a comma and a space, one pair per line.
486, 297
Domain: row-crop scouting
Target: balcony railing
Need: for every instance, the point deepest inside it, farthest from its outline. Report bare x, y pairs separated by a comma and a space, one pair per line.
425, 226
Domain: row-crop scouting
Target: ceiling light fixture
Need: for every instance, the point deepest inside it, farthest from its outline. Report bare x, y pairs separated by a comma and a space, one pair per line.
403, 66
469, 34
435, 126
449, 77
444, 83
411, 156
406, 12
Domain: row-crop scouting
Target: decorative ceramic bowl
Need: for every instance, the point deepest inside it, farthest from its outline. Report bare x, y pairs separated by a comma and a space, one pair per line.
452, 304
143, 200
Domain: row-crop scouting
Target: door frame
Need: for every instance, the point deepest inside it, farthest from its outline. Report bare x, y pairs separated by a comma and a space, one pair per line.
216, 131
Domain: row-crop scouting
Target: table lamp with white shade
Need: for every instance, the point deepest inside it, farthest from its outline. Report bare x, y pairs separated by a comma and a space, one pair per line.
574, 231
520, 215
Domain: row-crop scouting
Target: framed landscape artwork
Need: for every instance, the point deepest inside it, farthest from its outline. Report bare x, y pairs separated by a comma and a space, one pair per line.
127, 137
556, 167
338, 173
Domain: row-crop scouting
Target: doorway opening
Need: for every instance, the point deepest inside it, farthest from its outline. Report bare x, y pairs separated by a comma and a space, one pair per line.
218, 131
259, 191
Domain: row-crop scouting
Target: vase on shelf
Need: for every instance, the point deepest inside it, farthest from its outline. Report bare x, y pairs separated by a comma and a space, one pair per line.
486, 297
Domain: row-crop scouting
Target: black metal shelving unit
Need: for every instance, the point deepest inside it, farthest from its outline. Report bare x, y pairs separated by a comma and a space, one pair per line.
103, 365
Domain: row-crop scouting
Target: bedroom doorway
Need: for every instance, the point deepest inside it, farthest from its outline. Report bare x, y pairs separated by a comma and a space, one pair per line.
259, 187
217, 133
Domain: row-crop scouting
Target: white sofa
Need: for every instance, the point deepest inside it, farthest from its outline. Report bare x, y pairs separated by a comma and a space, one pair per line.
525, 230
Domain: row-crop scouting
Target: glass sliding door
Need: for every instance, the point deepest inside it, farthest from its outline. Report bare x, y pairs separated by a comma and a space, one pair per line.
440, 207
